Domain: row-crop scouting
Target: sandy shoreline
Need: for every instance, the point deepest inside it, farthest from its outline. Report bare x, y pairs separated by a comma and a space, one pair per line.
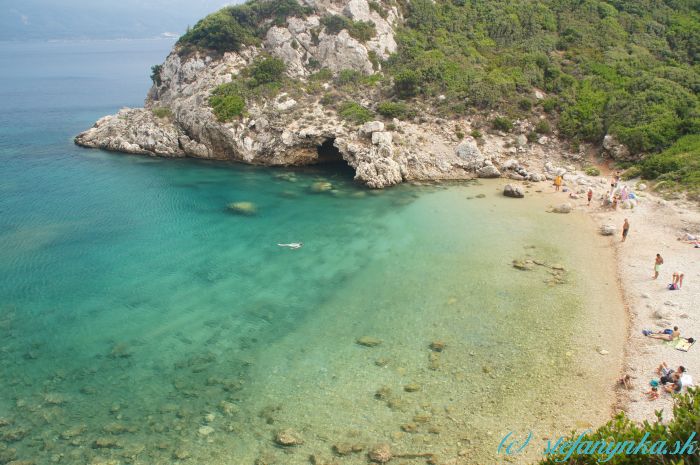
656, 226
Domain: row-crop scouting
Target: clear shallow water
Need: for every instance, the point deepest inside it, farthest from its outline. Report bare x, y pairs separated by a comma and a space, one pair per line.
136, 310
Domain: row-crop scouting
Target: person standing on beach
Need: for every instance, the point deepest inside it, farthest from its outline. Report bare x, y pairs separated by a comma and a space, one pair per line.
625, 230
557, 183
657, 265
590, 196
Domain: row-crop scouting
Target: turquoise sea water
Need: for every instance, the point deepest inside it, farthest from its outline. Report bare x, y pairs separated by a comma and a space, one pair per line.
142, 321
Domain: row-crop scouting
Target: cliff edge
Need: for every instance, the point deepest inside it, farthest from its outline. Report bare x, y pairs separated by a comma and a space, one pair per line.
296, 83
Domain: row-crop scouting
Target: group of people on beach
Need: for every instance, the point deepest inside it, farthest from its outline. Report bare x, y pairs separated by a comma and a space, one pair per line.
670, 380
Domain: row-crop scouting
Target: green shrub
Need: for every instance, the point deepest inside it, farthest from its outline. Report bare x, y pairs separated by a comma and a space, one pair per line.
323, 74
268, 70
155, 74
632, 172
501, 123
550, 104
679, 163
353, 111
162, 112
676, 430
592, 171
227, 102
232, 27
219, 31
532, 137
374, 59
348, 76
460, 134
360, 30
406, 83
335, 23
525, 104
476, 134
542, 127
398, 110
376, 6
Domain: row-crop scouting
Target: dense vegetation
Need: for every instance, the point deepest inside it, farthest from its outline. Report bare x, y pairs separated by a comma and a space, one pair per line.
233, 27
685, 421
264, 77
623, 67
630, 68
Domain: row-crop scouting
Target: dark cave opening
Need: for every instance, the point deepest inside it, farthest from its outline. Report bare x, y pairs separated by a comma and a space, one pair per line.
330, 159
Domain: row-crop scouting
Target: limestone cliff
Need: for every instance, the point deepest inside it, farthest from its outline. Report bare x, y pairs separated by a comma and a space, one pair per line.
289, 127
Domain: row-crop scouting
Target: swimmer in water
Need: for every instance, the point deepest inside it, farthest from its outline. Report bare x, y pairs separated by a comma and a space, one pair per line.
293, 245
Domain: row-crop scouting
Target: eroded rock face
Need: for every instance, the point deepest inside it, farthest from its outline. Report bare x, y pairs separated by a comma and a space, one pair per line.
286, 130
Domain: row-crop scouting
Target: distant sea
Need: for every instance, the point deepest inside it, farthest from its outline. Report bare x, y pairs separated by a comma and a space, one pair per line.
144, 322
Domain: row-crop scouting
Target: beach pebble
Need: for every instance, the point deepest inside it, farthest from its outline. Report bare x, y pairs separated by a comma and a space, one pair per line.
603, 351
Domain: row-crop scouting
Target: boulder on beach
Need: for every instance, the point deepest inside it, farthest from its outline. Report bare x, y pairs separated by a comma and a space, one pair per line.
488, 171
607, 230
563, 208
243, 208
513, 191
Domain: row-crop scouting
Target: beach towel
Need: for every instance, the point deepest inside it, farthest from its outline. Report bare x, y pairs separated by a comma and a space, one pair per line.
684, 345
687, 380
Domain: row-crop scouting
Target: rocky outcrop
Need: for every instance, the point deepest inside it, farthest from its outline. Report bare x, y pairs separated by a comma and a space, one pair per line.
289, 128
513, 191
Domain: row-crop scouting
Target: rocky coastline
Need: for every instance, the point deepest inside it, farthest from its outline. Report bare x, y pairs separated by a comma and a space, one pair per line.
295, 128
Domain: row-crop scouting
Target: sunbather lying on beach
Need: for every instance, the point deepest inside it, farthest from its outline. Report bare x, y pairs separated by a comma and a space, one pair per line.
667, 334
653, 393
676, 385
667, 373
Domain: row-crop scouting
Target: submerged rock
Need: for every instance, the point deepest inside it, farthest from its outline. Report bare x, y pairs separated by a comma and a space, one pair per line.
243, 208
321, 186
380, 453
288, 438
368, 341
412, 387
345, 448
437, 346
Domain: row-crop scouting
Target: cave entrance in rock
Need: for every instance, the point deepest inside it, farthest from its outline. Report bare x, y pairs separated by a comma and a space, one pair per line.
330, 158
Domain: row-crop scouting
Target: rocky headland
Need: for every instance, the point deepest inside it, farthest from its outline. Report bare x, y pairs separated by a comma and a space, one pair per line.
299, 122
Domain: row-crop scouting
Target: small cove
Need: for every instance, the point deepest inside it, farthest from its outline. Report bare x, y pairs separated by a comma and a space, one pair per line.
134, 304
